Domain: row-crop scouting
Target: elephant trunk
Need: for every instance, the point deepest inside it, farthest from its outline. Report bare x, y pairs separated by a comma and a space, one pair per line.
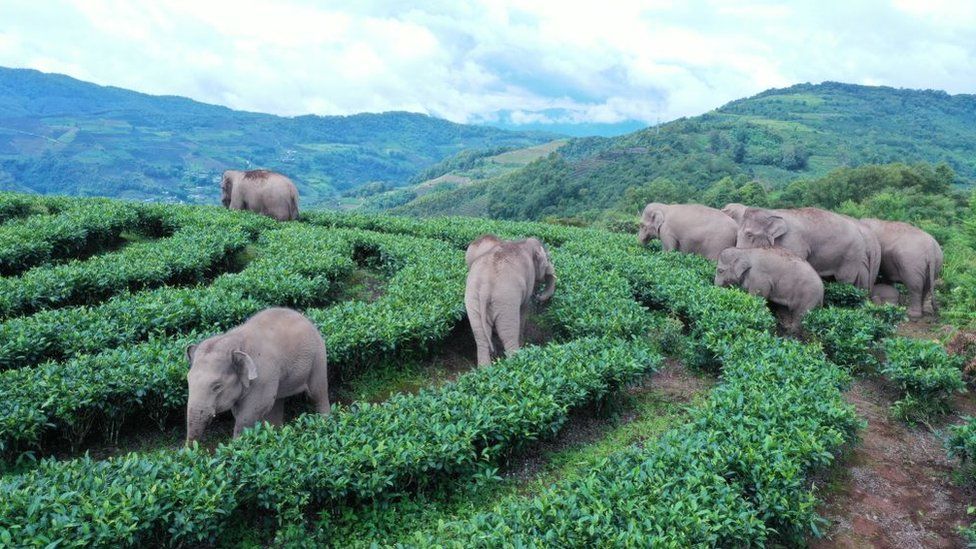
197, 420
550, 287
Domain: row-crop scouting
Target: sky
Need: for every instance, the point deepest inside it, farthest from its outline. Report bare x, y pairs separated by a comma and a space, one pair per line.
604, 66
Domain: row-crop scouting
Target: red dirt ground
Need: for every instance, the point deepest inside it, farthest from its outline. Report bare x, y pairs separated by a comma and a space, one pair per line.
896, 488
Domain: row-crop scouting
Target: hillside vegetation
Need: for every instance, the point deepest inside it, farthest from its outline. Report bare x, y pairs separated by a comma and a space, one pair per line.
81, 366
61, 135
772, 139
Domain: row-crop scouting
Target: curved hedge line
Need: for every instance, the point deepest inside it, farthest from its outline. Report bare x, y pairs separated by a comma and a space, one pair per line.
36, 240
285, 275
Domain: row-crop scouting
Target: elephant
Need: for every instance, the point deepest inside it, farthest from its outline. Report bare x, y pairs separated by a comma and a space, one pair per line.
911, 256
775, 274
734, 210
502, 277
884, 294
252, 368
688, 228
834, 245
261, 191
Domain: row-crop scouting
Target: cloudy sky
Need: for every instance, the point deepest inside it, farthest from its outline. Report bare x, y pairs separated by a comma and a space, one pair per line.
604, 64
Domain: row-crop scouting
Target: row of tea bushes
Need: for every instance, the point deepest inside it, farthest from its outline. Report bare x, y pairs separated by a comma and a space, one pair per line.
191, 255
288, 272
351, 454
735, 475
419, 308
84, 227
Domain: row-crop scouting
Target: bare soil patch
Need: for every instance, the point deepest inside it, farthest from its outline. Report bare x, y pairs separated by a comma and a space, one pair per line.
895, 488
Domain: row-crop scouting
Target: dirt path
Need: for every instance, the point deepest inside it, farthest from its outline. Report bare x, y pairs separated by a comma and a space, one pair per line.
895, 488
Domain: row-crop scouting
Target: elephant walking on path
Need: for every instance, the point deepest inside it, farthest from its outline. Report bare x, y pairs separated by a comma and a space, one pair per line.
834, 245
688, 228
775, 274
911, 256
251, 369
260, 191
502, 278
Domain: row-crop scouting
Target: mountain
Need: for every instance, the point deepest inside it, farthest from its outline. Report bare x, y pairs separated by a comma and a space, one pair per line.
776, 137
62, 135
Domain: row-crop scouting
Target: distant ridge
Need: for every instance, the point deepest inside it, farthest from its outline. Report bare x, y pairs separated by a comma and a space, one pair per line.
62, 135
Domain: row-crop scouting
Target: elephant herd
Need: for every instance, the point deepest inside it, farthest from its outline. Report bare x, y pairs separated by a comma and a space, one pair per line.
784, 254
781, 255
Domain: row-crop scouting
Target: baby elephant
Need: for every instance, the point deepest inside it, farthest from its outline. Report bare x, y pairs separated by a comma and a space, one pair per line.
776, 274
251, 369
883, 294
502, 276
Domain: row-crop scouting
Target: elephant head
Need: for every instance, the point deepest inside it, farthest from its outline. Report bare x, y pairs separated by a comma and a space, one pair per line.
543, 268
220, 375
479, 247
651, 220
735, 211
759, 228
227, 186
732, 267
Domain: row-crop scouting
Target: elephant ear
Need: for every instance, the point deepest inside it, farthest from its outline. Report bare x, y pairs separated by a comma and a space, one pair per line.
247, 370
655, 219
190, 350
739, 268
775, 227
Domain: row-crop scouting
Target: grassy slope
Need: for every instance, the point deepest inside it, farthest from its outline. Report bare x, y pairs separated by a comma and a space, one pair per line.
58, 134
775, 137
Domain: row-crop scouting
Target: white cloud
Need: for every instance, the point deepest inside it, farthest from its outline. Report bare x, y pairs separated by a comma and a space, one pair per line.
537, 60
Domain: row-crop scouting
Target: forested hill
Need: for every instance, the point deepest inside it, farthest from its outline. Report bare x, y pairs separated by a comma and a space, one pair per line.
62, 135
781, 135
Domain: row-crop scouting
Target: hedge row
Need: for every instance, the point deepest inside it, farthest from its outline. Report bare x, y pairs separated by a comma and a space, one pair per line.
149, 379
297, 264
854, 338
355, 453
36, 240
961, 444
191, 255
285, 274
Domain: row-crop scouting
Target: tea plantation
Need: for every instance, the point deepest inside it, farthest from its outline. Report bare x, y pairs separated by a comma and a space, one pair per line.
100, 298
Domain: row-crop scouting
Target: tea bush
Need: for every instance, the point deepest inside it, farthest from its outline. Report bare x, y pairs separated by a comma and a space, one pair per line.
926, 377
853, 337
842, 294
37, 240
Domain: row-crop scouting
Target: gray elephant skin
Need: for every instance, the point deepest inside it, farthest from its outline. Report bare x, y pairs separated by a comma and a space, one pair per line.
884, 294
834, 245
775, 274
735, 211
688, 228
911, 256
252, 368
502, 278
260, 191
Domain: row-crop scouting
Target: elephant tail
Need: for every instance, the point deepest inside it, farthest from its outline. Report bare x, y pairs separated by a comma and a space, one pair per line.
485, 325
929, 286
293, 206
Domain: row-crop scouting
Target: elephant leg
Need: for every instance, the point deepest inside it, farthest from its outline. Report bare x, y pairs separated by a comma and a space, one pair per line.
244, 419
276, 415
669, 243
508, 325
855, 275
318, 389
481, 328
916, 293
523, 316
929, 306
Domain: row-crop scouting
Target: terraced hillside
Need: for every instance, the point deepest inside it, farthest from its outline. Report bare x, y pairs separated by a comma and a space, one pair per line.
92, 386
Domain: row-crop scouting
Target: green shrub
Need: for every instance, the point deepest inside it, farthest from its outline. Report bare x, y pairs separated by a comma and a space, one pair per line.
842, 294
851, 337
926, 377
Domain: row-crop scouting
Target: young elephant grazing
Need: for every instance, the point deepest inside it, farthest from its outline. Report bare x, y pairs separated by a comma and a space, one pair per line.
776, 274
688, 228
884, 294
251, 369
260, 191
502, 277
911, 256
